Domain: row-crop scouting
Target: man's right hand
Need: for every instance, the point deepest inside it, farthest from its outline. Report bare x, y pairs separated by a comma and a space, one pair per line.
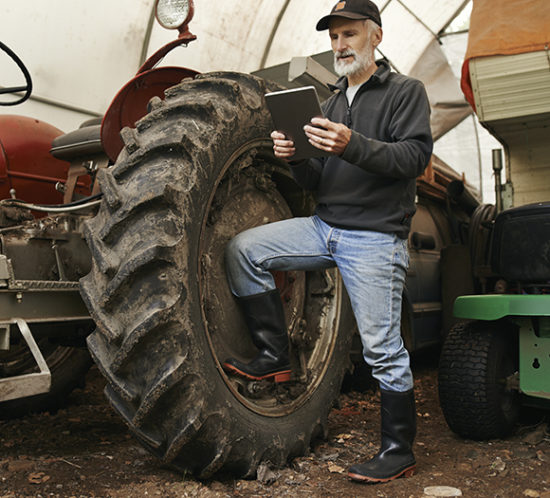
282, 147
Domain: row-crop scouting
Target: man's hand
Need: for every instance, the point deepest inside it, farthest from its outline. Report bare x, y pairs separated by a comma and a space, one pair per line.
330, 137
282, 147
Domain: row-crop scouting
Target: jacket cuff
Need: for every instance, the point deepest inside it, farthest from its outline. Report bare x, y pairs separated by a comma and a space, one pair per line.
353, 150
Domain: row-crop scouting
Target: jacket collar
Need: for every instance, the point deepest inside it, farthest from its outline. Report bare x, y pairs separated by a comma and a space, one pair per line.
377, 78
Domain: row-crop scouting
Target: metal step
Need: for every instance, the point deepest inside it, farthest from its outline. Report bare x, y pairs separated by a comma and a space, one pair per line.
22, 386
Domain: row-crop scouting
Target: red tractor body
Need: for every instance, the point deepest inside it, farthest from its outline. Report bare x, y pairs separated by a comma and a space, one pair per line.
27, 169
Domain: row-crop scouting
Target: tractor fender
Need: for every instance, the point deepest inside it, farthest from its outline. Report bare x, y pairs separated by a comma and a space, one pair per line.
496, 306
130, 103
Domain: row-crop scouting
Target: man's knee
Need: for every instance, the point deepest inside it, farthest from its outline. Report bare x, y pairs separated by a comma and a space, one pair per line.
241, 248
236, 248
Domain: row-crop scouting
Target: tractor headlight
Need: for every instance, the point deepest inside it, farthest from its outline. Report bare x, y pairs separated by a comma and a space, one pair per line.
172, 14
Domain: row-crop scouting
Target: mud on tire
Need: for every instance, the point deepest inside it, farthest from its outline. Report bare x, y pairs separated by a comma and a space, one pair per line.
197, 170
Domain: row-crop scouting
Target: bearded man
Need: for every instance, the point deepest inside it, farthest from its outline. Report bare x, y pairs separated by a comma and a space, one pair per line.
377, 140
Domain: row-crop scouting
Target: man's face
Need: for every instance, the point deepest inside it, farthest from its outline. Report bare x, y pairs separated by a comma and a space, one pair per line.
352, 45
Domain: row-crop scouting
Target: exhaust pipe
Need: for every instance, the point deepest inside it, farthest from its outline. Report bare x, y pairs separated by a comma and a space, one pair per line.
459, 193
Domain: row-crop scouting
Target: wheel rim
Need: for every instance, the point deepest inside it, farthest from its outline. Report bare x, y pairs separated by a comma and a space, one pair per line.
245, 196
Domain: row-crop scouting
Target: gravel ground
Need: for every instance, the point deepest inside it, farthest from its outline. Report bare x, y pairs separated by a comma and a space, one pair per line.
85, 450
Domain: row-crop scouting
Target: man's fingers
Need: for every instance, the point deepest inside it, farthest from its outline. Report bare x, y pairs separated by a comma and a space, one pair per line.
322, 122
282, 147
281, 140
321, 143
321, 133
278, 135
283, 144
283, 151
286, 155
314, 132
318, 135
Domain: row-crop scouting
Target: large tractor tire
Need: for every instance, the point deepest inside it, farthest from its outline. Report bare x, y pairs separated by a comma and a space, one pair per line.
68, 367
194, 172
478, 379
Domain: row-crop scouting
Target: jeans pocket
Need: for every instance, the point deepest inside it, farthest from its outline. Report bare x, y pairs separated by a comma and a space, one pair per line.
406, 253
401, 254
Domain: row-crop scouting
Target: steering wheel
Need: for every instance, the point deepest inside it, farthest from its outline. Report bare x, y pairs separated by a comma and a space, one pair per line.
27, 88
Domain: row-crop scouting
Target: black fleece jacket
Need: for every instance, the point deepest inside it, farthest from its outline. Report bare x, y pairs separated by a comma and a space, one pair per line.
372, 185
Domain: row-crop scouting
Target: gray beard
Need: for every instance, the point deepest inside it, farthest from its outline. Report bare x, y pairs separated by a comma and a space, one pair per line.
361, 60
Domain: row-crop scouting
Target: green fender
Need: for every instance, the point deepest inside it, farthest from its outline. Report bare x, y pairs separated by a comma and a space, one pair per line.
496, 306
531, 313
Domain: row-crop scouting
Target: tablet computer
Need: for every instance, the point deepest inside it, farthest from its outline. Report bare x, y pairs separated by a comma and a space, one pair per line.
291, 110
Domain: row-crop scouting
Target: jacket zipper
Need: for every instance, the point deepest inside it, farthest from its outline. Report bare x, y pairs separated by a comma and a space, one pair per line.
349, 122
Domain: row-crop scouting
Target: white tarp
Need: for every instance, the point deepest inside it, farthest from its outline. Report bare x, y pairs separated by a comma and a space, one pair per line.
81, 52
78, 52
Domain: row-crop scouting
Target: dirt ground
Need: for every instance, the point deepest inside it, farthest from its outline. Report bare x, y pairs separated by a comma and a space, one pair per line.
85, 450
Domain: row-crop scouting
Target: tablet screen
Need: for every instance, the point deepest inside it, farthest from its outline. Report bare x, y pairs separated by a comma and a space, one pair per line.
291, 110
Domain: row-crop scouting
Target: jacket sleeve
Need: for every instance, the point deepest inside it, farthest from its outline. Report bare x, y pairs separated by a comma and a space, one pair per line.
408, 152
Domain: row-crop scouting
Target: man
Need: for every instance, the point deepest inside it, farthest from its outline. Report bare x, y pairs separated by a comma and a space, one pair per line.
377, 140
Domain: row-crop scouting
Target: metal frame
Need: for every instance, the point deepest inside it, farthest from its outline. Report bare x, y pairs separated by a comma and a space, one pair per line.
21, 386
534, 356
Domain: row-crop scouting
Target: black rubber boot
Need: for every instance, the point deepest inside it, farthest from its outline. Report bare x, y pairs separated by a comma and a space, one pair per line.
265, 319
395, 458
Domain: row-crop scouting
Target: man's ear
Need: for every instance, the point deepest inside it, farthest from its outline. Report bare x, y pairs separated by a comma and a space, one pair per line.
377, 37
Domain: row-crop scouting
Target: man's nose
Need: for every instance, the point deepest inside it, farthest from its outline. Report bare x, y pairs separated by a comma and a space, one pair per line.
339, 45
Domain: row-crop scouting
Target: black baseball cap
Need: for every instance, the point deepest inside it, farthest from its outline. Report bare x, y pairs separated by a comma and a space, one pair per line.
352, 9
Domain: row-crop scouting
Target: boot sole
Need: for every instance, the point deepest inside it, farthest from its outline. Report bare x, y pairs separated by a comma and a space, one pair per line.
282, 376
408, 472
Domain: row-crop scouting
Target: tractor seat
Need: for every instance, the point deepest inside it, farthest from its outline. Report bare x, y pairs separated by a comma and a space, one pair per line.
521, 243
81, 143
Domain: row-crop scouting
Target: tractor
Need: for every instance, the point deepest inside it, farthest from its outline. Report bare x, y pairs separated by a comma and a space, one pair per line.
497, 359
112, 245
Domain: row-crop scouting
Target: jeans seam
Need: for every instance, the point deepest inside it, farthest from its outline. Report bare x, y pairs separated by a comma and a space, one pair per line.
262, 260
392, 291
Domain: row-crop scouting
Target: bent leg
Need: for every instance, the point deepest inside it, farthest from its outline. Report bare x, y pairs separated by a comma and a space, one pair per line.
293, 244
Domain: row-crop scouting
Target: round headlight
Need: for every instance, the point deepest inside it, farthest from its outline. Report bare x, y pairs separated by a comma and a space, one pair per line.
171, 14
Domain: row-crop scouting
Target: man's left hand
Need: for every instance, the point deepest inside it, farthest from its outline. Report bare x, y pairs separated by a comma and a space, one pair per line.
328, 136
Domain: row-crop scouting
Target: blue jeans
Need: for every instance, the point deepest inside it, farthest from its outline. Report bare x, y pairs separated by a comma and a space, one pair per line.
372, 265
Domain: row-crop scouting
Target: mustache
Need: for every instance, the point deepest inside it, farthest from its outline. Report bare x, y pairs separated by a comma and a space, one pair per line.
345, 53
